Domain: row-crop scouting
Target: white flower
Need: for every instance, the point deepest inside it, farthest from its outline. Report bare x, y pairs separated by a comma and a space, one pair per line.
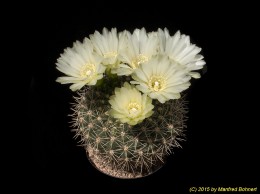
141, 47
161, 79
109, 45
81, 65
180, 50
129, 105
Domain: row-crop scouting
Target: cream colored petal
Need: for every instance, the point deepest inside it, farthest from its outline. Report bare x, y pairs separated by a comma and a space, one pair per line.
77, 86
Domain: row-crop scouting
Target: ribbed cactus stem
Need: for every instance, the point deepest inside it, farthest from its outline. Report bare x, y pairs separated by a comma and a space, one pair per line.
126, 150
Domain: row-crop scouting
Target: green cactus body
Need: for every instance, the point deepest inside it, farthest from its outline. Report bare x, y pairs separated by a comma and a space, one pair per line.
127, 151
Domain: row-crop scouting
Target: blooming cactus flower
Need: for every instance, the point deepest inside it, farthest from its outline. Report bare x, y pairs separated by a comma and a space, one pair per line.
141, 47
81, 65
179, 49
109, 44
129, 105
161, 79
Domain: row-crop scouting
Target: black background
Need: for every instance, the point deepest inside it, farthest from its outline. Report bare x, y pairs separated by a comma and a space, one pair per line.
221, 148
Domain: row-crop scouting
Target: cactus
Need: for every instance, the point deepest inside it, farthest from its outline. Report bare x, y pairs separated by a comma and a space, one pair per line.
120, 149
129, 113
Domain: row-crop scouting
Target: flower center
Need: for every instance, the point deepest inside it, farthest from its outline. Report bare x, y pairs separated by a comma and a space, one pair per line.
133, 109
87, 71
110, 54
138, 60
156, 83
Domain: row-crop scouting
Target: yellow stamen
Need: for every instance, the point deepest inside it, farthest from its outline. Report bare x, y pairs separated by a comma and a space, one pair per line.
87, 71
134, 108
138, 60
156, 83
